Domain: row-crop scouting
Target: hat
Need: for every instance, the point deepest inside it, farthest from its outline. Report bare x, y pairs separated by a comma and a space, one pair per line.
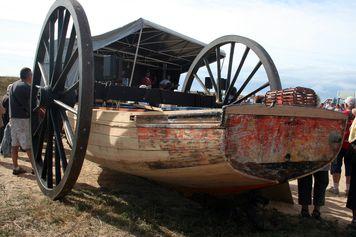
350, 101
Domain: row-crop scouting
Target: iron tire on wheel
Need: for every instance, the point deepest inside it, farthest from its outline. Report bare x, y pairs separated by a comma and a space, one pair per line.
61, 92
204, 58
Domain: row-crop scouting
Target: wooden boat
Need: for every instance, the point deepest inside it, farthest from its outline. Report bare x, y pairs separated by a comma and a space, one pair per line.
214, 143
244, 147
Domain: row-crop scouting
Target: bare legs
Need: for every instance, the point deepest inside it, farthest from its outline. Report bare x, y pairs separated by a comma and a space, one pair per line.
15, 157
336, 181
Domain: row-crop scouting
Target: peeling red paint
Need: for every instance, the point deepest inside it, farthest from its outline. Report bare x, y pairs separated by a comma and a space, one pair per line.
261, 140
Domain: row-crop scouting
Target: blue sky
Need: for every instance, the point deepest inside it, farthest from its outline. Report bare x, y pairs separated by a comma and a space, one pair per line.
313, 43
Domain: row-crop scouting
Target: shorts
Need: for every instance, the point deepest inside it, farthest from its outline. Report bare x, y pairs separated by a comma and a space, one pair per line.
20, 133
337, 163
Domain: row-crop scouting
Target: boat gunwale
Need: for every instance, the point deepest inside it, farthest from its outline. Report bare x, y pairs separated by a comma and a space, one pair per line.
284, 111
244, 109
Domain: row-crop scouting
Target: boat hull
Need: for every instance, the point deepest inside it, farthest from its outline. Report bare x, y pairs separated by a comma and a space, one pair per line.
242, 147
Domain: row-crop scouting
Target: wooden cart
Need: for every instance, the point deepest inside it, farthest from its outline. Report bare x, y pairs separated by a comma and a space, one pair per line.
219, 144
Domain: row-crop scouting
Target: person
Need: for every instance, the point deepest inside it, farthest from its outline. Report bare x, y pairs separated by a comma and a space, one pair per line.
5, 104
259, 99
4, 107
338, 108
352, 136
125, 79
141, 102
2, 124
147, 80
165, 85
232, 95
19, 117
305, 186
344, 154
351, 197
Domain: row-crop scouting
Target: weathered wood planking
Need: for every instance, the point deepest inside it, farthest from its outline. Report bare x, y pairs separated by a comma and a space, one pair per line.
250, 146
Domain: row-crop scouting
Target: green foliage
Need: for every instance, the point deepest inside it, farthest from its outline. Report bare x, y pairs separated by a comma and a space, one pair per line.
4, 82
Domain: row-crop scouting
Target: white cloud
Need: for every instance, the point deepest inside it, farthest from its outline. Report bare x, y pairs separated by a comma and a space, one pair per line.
308, 40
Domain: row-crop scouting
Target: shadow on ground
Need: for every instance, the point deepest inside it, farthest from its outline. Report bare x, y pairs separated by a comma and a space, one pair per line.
28, 169
144, 208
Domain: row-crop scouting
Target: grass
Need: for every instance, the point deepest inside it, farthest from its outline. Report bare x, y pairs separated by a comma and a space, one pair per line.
124, 205
4, 82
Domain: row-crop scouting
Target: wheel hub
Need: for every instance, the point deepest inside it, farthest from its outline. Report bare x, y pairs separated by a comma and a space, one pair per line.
45, 96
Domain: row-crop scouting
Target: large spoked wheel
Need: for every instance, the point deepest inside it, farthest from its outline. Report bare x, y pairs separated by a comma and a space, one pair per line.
243, 59
61, 98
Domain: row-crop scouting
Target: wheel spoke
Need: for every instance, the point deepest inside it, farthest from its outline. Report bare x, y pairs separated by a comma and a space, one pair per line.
244, 56
57, 164
258, 65
59, 24
51, 48
71, 89
210, 74
59, 144
70, 45
39, 128
47, 172
43, 73
252, 93
67, 128
231, 59
40, 140
66, 107
218, 79
62, 78
201, 83
49, 176
46, 45
62, 32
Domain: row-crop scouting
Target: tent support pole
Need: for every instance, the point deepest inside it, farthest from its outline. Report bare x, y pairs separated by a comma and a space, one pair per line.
134, 63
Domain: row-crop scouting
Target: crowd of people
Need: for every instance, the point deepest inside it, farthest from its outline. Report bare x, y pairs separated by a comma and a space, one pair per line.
15, 114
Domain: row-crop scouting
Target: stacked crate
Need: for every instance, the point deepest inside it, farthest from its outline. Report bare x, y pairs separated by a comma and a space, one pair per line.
299, 96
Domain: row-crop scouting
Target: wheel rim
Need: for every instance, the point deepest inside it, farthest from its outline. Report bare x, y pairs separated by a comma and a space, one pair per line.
62, 88
232, 70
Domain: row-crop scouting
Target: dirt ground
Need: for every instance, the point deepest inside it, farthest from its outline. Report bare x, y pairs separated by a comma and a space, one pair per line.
334, 209
106, 203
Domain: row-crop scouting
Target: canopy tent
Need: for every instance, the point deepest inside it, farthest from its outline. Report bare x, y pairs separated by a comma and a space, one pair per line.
145, 43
